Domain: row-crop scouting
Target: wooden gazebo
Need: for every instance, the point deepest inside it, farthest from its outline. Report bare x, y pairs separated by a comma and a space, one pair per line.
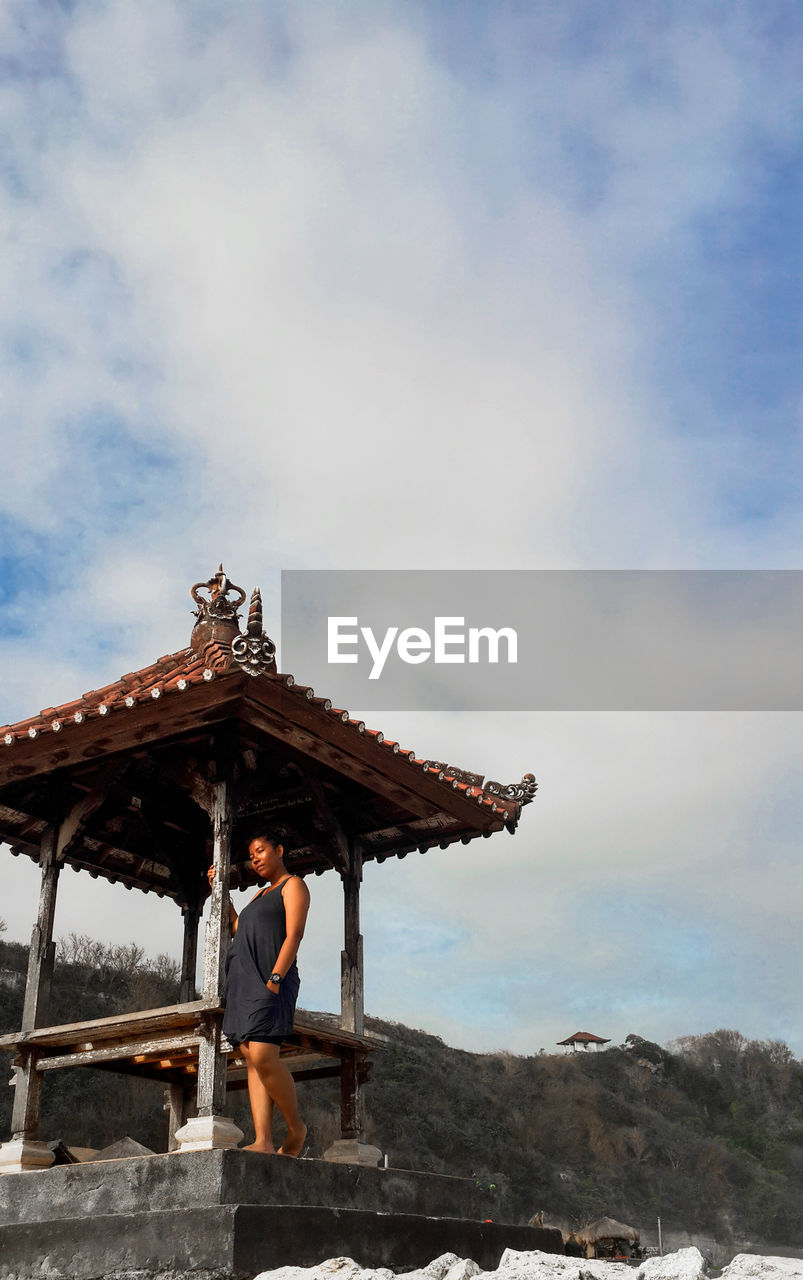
149, 780
582, 1040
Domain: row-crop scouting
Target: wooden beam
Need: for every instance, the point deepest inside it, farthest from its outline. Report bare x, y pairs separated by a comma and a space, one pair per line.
74, 823
131, 1050
321, 1034
337, 836
188, 777
110, 1028
284, 715
342, 756
313, 1073
123, 730
17, 827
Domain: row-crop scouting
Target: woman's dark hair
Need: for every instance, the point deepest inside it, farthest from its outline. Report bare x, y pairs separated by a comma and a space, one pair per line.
272, 835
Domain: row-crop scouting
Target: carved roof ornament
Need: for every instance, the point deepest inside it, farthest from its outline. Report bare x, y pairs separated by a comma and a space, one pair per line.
523, 792
254, 652
453, 771
218, 617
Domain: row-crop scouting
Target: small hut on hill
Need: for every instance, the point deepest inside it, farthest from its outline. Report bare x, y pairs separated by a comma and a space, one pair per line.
582, 1040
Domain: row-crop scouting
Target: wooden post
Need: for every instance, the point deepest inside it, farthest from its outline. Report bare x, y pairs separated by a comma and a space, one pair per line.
352, 1011
211, 1128
217, 929
192, 915
38, 985
352, 1119
176, 1107
27, 1095
24, 1151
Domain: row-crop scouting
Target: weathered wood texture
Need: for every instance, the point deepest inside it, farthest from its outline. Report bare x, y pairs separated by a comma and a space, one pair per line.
27, 1096
352, 1120
217, 929
352, 980
132, 1049
316, 1030
38, 986
176, 1106
39, 980
189, 952
211, 1058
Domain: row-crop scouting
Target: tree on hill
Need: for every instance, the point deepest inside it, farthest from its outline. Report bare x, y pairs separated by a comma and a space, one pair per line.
707, 1132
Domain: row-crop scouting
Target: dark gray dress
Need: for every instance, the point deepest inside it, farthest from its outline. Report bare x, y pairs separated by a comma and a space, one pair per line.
252, 1011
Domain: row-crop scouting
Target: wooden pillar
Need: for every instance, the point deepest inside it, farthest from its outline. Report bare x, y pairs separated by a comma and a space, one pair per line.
192, 915
352, 986
24, 1151
39, 983
176, 1107
211, 1128
217, 929
351, 1147
352, 1118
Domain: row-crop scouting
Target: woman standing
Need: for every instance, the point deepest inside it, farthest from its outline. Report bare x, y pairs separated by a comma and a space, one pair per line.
261, 989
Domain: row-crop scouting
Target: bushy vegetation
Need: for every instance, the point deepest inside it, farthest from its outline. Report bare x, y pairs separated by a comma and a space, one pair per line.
708, 1132
91, 1108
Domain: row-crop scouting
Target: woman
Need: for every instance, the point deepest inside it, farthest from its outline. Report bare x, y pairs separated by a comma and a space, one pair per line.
261, 989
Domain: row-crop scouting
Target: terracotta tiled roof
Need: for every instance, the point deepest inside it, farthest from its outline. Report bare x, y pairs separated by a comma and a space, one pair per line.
584, 1037
174, 673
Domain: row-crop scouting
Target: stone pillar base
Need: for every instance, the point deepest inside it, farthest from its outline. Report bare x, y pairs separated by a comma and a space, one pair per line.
22, 1154
203, 1133
352, 1151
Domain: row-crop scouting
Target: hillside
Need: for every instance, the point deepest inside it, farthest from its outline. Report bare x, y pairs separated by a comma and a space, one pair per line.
707, 1133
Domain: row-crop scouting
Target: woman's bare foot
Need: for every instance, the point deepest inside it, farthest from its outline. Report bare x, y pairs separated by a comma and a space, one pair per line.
266, 1149
294, 1142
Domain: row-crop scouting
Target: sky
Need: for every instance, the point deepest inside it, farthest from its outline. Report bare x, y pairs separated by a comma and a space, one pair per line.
407, 285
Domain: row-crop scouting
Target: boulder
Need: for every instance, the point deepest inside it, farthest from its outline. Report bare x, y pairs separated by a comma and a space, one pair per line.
750, 1266
331, 1269
535, 1265
684, 1264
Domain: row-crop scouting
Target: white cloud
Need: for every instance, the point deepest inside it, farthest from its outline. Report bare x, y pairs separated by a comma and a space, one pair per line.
357, 309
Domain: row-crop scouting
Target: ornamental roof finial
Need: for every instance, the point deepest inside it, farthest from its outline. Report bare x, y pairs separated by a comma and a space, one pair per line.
217, 617
254, 651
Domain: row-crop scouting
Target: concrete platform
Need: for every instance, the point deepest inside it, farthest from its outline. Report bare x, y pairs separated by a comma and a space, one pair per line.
226, 1215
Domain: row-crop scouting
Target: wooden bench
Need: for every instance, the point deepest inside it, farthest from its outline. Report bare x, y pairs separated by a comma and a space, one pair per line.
163, 1044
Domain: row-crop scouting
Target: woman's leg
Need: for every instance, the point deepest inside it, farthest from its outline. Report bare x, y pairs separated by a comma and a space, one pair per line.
272, 1082
261, 1107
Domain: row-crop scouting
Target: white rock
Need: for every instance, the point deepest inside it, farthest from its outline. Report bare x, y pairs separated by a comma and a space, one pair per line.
683, 1264
465, 1269
331, 1269
745, 1266
440, 1267
535, 1265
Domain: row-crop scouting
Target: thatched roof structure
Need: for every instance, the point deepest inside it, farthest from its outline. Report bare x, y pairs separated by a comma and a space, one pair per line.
605, 1229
